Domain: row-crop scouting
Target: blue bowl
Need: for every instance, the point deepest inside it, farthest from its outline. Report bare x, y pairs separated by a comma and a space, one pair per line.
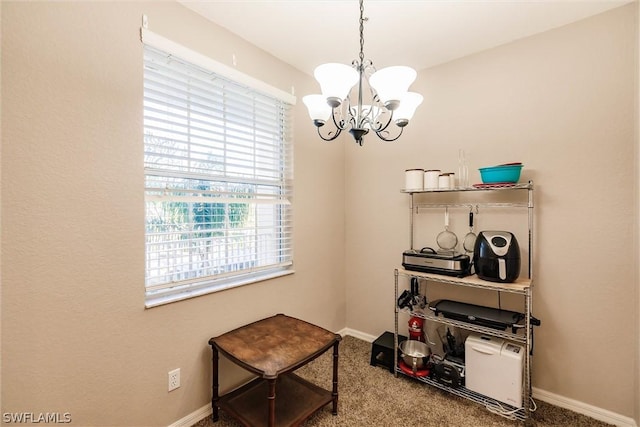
498, 174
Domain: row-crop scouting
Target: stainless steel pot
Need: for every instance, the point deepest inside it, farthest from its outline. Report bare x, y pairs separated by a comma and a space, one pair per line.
415, 354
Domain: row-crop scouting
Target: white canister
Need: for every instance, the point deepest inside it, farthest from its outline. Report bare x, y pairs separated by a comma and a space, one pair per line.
413, 179
446, 181
431, 179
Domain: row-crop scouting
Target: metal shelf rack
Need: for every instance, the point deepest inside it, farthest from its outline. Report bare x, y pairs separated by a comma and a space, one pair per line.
522, 287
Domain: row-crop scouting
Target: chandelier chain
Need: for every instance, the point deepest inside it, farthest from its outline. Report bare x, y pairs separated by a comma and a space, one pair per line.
361, 31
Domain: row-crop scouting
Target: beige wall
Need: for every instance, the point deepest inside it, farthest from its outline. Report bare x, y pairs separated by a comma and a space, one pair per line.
637, 212
75, 335
562, 102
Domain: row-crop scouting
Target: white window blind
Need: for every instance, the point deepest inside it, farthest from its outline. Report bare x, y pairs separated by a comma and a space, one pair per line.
217, 161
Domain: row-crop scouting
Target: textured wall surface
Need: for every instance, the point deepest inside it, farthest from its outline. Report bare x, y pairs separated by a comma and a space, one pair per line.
561, 102
76, 336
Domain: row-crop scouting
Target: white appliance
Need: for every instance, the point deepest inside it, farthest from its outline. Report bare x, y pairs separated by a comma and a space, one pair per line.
494, 368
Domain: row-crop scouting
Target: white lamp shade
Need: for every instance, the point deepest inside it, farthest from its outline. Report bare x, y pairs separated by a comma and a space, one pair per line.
392, 83
317, 106
336, 80
408, 104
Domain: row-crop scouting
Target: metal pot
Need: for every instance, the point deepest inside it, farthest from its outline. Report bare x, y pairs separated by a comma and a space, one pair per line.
415, 354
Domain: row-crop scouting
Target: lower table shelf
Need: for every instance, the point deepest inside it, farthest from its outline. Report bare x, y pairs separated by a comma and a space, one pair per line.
492, 405
297, 400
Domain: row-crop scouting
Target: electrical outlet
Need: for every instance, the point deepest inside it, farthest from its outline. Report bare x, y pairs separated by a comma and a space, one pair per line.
174, 379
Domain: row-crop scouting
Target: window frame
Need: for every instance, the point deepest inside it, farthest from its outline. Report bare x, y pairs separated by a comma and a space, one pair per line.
163, 293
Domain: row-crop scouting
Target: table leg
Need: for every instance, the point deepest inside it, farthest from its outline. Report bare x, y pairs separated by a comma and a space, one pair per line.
214, 385
272, 402
334, 392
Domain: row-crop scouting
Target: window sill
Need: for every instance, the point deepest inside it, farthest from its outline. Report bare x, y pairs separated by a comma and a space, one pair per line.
208, 287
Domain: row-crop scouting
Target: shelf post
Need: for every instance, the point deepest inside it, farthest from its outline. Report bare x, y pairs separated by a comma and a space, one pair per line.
395, 330
527, 356
530, 212
411, 207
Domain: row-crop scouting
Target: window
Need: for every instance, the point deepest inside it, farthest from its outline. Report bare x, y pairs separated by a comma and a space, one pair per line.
217, 161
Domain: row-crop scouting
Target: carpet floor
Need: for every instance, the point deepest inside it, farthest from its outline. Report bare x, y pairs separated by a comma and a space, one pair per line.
372, 396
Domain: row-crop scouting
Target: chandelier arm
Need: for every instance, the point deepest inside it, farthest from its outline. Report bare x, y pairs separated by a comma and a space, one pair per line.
382, 128
329, 138
350, 113
340, 125
379, 133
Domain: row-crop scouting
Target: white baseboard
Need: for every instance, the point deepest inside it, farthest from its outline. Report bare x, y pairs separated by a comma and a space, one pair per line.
584, 408
357, 334
193, 417
552, 398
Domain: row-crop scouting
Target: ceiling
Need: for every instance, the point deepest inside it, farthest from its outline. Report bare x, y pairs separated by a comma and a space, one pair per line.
417, 33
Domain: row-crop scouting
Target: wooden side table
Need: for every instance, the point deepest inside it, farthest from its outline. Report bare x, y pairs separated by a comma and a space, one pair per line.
272, 349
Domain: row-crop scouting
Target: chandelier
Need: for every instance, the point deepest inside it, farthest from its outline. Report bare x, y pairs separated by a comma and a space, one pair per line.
391, 105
